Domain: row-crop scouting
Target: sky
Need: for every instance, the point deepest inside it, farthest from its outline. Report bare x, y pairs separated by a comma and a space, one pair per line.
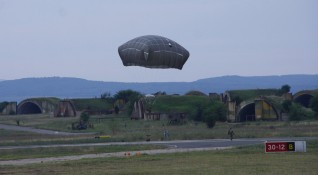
80, 38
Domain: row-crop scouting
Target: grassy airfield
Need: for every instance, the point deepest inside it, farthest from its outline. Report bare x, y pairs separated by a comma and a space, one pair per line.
247, 160
121, 128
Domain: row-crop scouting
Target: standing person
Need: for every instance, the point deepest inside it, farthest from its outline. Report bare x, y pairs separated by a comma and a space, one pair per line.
166, 134
231, 133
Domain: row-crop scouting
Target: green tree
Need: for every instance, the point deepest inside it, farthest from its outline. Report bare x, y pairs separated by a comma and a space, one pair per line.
105, 95
298, 112
84, 117
284, 89
220, 110
129, 97
210, 121
286, 105
295, 112
215, 112
198, 113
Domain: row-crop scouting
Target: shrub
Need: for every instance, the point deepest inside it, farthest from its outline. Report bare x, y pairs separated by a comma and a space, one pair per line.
215, 112
198, 113
286, 105
220, 110
210, 121
84, 117
298, 112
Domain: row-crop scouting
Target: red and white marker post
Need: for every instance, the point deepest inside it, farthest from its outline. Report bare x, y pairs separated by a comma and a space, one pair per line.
285, 146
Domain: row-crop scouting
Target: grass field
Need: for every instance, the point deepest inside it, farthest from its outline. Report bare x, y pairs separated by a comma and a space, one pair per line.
14, 154
247, 160
239, 161
121, 128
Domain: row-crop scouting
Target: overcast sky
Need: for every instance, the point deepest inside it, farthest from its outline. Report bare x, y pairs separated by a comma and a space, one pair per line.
80, 38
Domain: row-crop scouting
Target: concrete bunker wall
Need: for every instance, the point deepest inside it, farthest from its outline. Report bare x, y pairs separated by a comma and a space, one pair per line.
264, 110
9, 108
258, 109
247, 113
138, 110
231, 114
65, 108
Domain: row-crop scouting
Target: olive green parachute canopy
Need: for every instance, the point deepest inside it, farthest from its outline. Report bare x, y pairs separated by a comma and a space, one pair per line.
153, 51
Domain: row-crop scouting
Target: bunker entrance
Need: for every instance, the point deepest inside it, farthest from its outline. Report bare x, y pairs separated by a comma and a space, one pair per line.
29, 108
304, 100
247, 113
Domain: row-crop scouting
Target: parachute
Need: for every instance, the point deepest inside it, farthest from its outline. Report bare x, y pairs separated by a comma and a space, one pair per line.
152, 51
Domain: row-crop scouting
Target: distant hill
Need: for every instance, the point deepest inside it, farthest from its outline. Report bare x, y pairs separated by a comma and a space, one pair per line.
17, 90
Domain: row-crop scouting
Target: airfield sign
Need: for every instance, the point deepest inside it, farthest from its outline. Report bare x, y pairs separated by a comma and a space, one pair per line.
281, 146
